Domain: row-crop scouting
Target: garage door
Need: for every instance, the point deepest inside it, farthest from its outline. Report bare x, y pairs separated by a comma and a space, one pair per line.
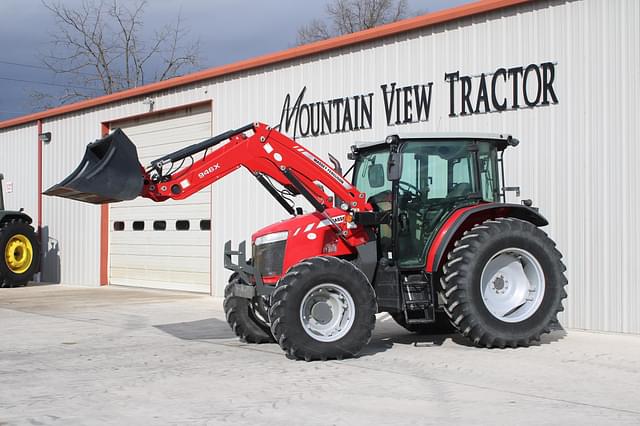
163, 245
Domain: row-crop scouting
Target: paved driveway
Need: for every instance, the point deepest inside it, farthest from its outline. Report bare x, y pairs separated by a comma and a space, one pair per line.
123, 356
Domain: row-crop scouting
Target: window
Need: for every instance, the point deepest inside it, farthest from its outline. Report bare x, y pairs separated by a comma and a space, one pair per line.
182, 225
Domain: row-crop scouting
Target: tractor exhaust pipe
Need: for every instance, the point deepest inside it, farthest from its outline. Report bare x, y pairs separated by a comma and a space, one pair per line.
1, 193
109, 172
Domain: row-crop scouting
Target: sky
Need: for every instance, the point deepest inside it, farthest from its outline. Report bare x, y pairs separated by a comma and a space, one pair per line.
228, 30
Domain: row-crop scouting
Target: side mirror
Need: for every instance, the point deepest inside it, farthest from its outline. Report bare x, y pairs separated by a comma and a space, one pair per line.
376, 175
394, 166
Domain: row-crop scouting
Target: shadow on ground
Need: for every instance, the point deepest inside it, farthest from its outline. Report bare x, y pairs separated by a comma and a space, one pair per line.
387, 335
209, 328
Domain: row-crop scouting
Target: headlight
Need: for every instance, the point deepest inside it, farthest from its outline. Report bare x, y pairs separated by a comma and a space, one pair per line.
272, 238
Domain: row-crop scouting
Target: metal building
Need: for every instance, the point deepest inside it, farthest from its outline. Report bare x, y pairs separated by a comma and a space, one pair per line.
561, 75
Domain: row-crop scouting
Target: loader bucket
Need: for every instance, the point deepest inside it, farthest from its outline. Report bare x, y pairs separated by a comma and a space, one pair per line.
109, 172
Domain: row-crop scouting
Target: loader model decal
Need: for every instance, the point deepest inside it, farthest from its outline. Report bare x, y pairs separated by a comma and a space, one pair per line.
208, 171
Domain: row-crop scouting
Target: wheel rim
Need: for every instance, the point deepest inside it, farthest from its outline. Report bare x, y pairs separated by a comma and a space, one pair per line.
512, 285
327, 312
18, 254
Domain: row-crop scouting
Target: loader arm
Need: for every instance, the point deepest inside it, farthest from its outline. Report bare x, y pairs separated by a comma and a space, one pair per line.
265, 152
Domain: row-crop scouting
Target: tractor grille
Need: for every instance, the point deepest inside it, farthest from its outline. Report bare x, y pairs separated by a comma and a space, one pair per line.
268, 258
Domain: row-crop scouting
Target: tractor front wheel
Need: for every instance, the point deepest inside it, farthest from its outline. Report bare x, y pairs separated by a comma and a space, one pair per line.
503, 283
323, 308
20, 251
244, 317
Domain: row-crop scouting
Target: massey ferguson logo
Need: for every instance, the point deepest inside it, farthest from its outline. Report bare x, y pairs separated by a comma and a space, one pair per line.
208, 171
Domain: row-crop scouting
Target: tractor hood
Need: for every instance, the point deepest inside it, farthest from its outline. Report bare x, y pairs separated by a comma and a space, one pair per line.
307, 226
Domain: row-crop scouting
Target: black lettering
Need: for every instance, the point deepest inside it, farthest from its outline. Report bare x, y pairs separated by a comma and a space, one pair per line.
466, 93
525, 91
548, 71
388, 102
366, 111
315, 118
408, 105
304, 112
494, 100
482, 95
423, 101
338, 104
326, 118
398, 91
356, 109
514, 72
288, 114
346, 122
451, 78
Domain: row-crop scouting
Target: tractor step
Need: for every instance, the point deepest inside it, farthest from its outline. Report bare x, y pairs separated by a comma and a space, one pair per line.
418, 300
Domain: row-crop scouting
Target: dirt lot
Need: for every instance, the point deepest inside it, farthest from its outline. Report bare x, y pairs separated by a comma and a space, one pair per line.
114, 355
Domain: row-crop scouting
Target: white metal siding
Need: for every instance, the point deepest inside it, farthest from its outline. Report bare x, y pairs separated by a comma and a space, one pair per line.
19, 165
168, 259
577, 159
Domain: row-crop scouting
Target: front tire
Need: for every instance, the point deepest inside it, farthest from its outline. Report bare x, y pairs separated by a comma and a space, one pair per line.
243, 316
323, 308
20, 251
503, 283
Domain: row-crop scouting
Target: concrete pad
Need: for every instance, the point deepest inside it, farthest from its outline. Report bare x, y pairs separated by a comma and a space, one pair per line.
117, 355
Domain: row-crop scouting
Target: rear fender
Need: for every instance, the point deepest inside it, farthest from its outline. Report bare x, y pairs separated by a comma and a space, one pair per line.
8, 216
466, 217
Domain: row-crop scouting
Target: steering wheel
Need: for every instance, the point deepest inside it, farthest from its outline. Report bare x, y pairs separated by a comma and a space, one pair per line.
411, 187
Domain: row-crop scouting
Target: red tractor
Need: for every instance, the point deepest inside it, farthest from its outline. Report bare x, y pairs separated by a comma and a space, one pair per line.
421, 232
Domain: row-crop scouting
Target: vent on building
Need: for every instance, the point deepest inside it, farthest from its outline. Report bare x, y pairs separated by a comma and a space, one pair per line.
138, 225
118, 226
205, 225
159, 225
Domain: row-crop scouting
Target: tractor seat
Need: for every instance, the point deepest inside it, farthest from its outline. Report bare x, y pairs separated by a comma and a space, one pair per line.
459, 190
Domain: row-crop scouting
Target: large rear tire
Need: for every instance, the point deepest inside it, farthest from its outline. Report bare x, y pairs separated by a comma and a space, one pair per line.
503, 283
323, 308
20, 253
244, 317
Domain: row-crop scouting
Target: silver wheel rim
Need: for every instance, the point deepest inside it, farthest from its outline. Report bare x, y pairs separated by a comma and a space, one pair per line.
327, 312
512, 285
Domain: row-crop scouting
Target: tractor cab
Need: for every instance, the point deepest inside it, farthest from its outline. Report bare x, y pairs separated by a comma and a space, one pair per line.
421, 179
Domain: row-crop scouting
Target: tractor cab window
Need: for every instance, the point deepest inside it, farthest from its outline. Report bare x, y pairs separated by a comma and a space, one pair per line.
370, 177
436, 175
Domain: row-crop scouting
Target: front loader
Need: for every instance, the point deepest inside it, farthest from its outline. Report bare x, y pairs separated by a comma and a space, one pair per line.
420, 231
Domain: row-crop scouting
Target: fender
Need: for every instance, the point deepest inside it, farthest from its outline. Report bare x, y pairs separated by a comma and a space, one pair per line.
465, 217
8, 215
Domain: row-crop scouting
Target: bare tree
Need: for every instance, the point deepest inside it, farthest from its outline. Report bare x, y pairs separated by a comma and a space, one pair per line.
349, 16
100, 46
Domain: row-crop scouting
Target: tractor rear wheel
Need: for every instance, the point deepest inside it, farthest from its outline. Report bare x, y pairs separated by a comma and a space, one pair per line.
20, 251
243, 315
503, 283
323, 308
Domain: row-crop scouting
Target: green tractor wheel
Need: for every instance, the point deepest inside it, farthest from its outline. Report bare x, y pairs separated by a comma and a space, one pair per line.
20, 251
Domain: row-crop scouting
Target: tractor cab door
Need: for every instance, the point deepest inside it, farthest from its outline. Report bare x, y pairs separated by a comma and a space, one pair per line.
437, 176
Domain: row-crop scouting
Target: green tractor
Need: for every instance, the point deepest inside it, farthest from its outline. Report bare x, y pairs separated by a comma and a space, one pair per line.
19, 246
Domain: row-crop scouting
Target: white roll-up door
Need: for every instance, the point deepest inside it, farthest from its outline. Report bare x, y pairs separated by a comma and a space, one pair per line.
163, 245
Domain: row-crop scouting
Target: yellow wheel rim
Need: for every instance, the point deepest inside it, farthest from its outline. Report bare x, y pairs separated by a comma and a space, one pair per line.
18, 254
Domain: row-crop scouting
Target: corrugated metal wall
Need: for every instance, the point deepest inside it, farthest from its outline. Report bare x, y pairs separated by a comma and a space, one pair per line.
19, 165
576, 160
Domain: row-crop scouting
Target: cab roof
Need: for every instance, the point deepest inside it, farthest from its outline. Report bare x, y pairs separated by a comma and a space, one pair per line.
502, 140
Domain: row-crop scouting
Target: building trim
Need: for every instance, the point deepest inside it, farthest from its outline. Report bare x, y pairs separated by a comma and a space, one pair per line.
419, 22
